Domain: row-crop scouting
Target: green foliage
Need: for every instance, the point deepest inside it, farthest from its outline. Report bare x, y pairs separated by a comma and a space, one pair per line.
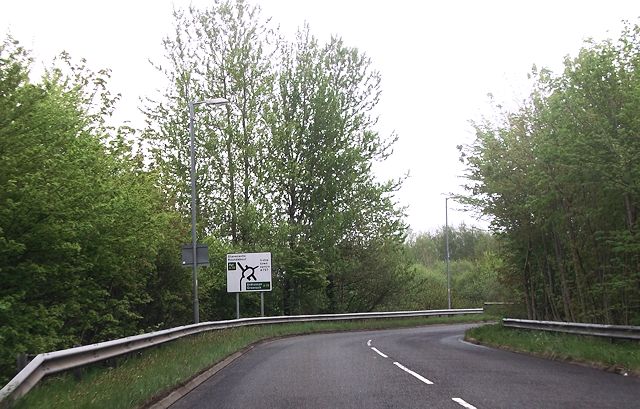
622, 355
465, 243
90, 230
81, 223
478, 282
559, 177
474, 267
222, 51
286, 167
426, 290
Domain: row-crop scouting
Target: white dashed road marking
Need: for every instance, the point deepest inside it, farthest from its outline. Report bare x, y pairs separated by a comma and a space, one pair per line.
421, 378
416, 375
463, 403
379, 353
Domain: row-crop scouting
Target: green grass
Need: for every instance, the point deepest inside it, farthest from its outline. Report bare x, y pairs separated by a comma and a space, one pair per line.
138, 378
619, 355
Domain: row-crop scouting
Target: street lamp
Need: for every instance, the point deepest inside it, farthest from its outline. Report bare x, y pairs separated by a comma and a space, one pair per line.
446, 235
194, 274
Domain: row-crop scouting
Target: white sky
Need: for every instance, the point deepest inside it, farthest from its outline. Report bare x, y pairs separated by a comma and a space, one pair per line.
438, 60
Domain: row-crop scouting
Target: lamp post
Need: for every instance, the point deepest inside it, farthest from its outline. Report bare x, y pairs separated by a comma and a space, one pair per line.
194, 274
446, 235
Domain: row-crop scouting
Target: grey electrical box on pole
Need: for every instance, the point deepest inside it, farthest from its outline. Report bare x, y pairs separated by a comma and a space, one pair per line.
202, 256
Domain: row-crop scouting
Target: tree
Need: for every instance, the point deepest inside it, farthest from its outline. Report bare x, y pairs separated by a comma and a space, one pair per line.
81, 222
559, 180
323, 187
217, 52
291, 172
474, 267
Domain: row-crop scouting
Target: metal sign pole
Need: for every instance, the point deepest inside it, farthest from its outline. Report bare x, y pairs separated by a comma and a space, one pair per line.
194, 266
237, 306
261, 303
446, 234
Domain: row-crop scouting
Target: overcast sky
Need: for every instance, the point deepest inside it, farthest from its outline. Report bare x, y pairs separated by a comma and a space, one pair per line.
438, 60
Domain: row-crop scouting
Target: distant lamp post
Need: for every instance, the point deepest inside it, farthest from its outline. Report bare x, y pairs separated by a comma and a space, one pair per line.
446, 235
194, 275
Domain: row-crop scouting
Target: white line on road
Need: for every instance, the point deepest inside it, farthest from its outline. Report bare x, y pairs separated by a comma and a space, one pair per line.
379, 353
410, 372
463, 403
369, 343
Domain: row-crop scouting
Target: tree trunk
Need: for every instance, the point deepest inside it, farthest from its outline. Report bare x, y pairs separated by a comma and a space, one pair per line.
566, 292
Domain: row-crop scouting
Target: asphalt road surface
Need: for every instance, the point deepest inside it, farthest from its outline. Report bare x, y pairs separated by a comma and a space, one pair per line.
427, 367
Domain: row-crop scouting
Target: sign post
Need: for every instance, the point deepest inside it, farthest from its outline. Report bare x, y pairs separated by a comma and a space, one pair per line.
249, 272
262, 303
194, 255
202, 255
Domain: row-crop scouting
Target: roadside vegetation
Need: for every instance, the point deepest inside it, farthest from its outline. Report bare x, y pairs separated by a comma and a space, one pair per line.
135, 380
619, 356
475, 264
93, 214
559, 177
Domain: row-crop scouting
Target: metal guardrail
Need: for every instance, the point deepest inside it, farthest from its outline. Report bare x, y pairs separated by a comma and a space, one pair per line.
596, 330
52, 362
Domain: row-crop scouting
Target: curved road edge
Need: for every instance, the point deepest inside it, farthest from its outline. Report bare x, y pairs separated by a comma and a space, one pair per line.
554, 357
165, 399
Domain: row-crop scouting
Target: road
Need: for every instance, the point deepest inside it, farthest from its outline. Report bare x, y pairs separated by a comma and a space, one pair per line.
426, 367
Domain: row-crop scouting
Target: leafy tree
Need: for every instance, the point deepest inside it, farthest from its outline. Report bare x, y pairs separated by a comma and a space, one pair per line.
217, 52
465, 243
474, 267
81, 222
322, 183
559, 178
290, 170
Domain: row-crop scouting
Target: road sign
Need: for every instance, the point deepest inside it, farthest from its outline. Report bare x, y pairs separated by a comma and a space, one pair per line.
248, 272
202, 255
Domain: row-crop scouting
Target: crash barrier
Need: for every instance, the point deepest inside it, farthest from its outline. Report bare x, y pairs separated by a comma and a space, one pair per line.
57, 361
596, 330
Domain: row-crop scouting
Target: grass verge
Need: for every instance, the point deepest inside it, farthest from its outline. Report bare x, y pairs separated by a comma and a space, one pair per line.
619, 356
137, 379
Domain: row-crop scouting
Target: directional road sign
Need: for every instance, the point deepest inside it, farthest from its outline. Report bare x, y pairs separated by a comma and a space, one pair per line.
248, 272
